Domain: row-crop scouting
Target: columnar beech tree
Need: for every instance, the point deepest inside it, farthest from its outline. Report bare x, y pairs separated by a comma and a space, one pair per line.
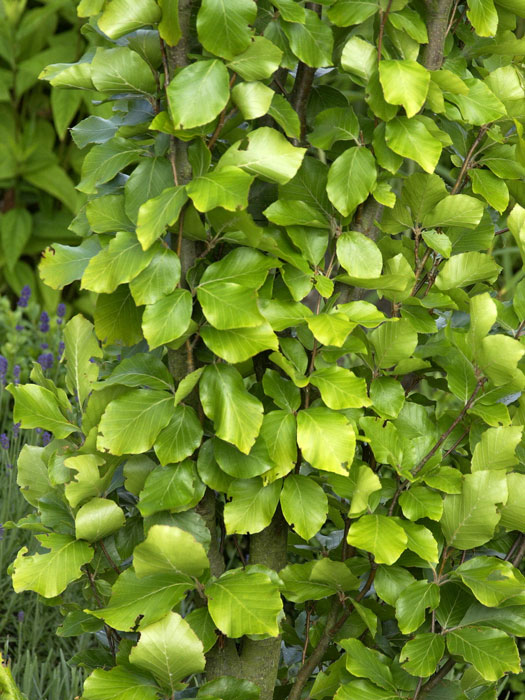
289, 462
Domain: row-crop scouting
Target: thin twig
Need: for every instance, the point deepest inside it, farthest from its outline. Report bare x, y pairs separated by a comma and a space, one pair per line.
515, 545
456, 443
437, 677
222, 119
501, 231
520, 554
456, 422
466, 163
451, 22
307, 633
109, 559
384, 17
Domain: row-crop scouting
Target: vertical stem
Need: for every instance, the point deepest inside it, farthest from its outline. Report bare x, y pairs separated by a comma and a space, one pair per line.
438, 12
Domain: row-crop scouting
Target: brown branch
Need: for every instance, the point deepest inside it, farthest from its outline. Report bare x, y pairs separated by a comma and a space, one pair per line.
108, 558
447, 432
456, 443
437, 22
384, 18
436, 678
466, 163
501, 231
332, 627
307, 633
520, 554
302, 87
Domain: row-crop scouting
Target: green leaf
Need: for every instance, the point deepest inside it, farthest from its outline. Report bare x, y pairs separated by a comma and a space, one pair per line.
480, 106
492, 580
412, 604
32, 474
304, 505
229, 688
345, 13
490, 651
326, 438
167, 319
168, 488
334, 124
393, 342
239, 344
187, 385
158, 213
227, 188
439, 242
364, 483
149, 179
251, 507
150, 597
119, 262
97, 519
260, 60
80, 346
106, 214
290, 212
455, 210
180, 438
316, 580
269, 155
420, 502
237, 414
170, 650
50, 573
411, 139
380, 535
496, 448
158, 279
227, 305
15, 229
420, 540
331, 328
285, 115
312, 41
359, 255
391, 581
253, 99
202, 624
121, 70
352, 176
491, 188
87, 482
340, 388
363, 690
168, 549
360, 58
283, 392
421, 655
103, 162
169, 26
244, 603
54, 180
119, 19
63, 264
404, 83
131, 423
37, 407
367, 663
512, 513
467, 268
387, 396
198, 93
120, 683
469, 518
141, 369
224, 29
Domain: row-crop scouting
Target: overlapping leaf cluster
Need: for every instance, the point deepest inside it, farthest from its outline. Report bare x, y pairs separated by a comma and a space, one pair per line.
314, 429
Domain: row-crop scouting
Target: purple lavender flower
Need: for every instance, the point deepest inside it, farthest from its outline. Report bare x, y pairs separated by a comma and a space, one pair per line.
45, 360
16, 374
9, 466
4, 441
44, 346
46, 438
25, 294
1, 532
20, 616
19, 327
38, 430
16, 429
61, 348
44, 322
61, 310
3, 368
